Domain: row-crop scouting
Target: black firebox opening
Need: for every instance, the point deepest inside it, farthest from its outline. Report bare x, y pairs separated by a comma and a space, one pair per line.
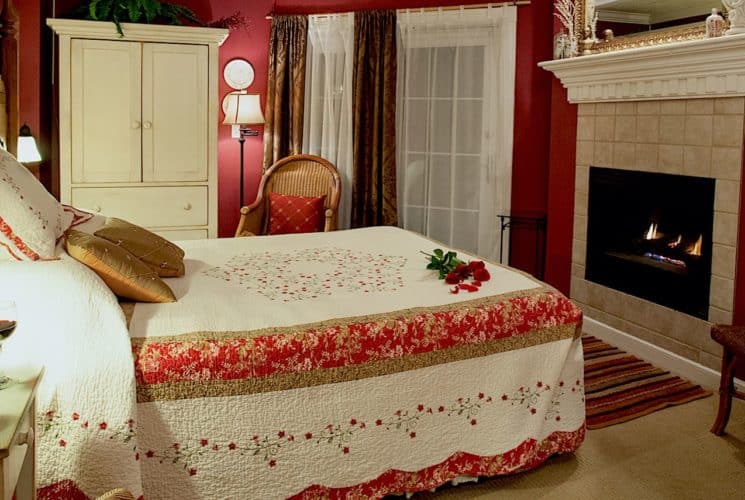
650, 235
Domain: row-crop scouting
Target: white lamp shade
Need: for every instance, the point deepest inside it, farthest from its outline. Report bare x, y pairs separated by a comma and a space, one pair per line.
242, 109
27, 150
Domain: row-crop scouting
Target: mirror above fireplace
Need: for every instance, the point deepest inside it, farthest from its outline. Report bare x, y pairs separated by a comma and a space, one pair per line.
626, 17
641, 23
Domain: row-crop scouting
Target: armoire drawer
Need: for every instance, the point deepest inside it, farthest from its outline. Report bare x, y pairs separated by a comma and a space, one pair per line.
147, 206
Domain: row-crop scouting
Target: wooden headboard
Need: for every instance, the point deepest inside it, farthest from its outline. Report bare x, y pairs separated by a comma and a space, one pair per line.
9, 101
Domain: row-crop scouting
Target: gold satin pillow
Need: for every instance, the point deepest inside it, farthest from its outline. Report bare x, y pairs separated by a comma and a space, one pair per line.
161, 255
125, 274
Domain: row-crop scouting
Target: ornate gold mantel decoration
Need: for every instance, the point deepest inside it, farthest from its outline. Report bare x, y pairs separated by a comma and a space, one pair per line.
580, 27
694, 31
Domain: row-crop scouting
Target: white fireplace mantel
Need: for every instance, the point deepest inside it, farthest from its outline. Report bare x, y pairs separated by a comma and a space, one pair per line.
712, 67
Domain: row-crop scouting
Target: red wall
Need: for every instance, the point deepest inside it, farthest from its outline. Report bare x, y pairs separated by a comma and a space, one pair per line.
29, 13
250, 44
561, 189
532, 126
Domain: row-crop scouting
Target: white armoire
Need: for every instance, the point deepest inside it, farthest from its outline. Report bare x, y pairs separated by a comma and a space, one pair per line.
138, 123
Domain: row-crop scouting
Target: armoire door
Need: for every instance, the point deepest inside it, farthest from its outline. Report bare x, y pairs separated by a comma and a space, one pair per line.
106, 107
174, 112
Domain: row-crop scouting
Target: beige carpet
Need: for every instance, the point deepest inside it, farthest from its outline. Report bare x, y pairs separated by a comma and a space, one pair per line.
668, 454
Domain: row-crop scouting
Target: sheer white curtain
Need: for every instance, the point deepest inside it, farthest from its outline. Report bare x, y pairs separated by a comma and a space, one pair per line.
328, 98
455, 108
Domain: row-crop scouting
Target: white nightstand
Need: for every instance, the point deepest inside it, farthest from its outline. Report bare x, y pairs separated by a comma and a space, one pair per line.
17, 435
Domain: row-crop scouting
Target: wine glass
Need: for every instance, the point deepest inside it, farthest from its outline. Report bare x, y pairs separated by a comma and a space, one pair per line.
7, 325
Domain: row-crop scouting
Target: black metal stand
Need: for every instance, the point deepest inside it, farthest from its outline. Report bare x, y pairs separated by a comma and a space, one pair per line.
242, 141
244, 132
535, 222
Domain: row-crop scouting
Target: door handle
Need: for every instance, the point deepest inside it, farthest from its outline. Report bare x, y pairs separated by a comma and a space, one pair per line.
147, 125
187, 206
135, 124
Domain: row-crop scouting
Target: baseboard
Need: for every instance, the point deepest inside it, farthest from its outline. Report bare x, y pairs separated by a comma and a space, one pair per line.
663, 358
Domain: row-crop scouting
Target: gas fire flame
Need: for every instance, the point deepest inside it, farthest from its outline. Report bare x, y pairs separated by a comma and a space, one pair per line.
676, 243
695, 249
651, 232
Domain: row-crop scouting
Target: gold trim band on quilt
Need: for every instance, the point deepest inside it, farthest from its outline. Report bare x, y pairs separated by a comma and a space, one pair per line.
140, 342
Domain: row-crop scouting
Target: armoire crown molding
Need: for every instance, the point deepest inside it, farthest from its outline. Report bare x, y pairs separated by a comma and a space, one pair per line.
106, 30
713, 67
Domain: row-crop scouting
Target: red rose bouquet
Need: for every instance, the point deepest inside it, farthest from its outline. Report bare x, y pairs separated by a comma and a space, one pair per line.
455, 271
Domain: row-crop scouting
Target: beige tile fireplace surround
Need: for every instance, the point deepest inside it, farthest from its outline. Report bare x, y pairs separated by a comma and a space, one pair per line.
696, 137
673, 109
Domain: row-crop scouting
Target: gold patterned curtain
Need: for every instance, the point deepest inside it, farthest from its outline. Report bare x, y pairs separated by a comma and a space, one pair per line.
374, 125
285, 96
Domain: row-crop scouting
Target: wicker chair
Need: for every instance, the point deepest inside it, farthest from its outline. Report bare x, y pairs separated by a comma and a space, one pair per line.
297, 175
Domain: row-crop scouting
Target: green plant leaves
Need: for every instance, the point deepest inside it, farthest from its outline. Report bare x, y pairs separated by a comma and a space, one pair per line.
151, 9
134, 11
443, 262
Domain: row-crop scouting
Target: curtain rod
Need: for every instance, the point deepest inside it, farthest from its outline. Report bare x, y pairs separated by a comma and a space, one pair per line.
518, 3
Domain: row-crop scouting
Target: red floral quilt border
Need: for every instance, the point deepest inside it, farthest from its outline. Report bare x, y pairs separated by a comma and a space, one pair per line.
224, 357
17, 241
526, 456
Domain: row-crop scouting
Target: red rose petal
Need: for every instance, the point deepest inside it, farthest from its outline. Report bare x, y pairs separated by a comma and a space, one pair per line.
476, 264
463, 270
453, 278
481, 275
469, 288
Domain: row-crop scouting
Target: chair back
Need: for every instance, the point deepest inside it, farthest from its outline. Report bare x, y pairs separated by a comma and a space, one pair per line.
299, 175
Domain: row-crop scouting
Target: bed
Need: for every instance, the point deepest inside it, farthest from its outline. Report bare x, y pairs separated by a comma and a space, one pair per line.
307, 366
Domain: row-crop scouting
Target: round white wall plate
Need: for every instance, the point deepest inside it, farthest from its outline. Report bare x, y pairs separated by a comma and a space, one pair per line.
238, 73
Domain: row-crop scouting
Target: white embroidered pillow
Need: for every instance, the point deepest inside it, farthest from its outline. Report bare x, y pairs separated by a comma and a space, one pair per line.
31, 220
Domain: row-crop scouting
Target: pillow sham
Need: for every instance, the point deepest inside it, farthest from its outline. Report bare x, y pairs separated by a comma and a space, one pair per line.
295, 214
31, 220
125, 274
162, 256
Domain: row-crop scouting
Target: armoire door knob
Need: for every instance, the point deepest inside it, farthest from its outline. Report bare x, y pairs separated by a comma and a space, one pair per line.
147, 125
135, 124
187, 207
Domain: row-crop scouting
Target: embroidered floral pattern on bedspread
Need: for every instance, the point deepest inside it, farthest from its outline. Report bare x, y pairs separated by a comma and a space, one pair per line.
526, 456
311, 273
396, 342
409, 423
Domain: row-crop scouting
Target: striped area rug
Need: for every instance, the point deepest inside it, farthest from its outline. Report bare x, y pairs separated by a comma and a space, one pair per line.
621, 387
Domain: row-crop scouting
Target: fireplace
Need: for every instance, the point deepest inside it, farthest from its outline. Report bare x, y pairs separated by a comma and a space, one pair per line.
650, 235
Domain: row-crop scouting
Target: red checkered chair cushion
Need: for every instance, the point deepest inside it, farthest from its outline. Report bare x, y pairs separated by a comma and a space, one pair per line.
295, 214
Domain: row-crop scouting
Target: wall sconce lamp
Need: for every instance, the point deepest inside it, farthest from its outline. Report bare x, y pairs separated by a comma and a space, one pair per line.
28, 152
242, 109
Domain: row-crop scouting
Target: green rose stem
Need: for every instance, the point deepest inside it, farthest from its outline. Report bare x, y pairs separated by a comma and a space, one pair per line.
442, 262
